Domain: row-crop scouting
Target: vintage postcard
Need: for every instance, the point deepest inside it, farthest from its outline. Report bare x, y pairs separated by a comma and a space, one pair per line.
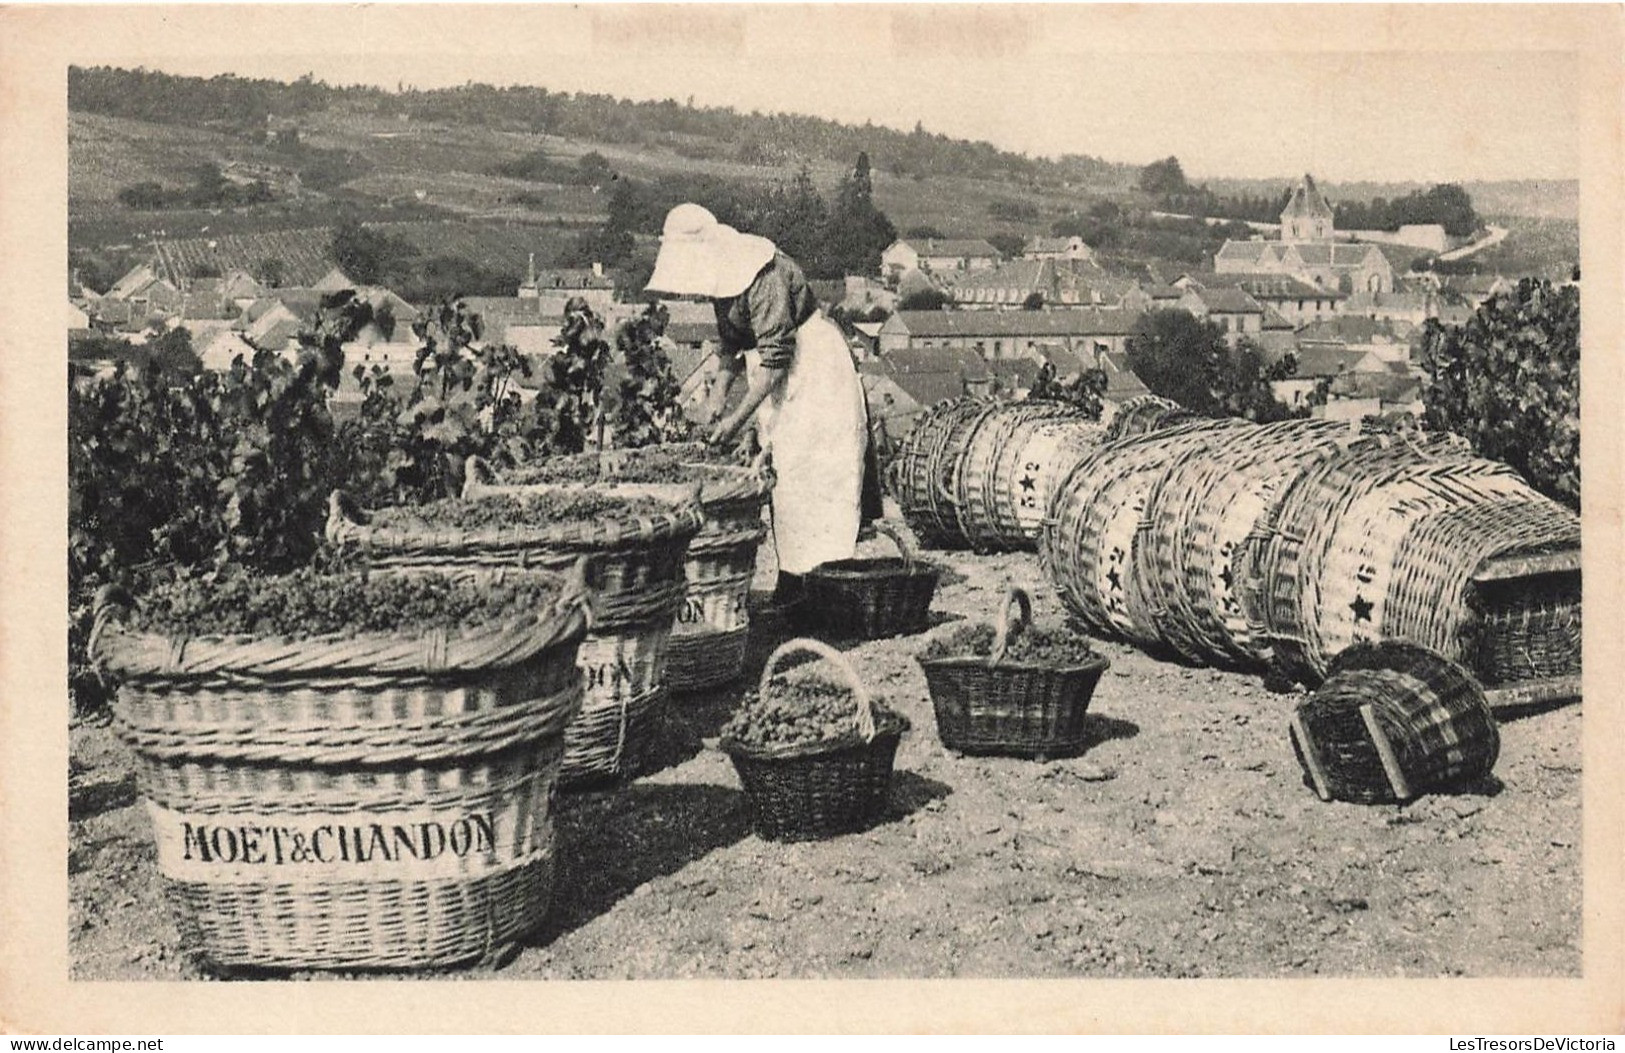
866, 518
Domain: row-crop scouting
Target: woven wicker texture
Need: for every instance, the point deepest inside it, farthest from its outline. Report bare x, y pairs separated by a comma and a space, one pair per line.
987, 704
819, 789
927, 452
1096, 516
1038, 454
363, 802
1392, 721
869, 599
708, 640
1384, 543
638, 583
1208, 502
981, 493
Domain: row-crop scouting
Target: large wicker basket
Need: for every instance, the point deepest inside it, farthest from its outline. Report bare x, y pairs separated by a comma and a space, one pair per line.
869, 599
1003, 477
1456, 554
1207, 504
1097, 517
708, 642
1392, 721
823, 788
922, 472
352, 802
987, 704
635, 571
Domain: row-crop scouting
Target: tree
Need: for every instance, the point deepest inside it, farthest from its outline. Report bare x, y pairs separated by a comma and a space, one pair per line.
857, 232
360, 252
1509, 382
273, 271
923, 231
1034, 301
1160, 178
923, 300
1185, 358
1009, 245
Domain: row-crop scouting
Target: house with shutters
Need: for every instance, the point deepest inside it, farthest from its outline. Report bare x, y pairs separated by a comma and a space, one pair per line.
997, 335
936, 256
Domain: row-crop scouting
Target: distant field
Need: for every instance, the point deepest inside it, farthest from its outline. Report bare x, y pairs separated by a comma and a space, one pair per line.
1544, 248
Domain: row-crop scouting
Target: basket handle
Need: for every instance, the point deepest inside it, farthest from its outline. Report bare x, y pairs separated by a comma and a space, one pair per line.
866, 713
112, 602
343, 511
904, 549
1006, 631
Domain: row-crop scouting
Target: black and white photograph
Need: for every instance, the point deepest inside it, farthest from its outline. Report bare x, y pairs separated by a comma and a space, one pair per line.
818, 493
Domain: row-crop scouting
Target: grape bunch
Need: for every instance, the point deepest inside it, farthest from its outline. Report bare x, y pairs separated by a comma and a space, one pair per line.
511, 510
1032, 646
649, 465
313, 602
799, 713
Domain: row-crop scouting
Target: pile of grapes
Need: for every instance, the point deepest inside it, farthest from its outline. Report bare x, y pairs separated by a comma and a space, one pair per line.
649, 465
1032, 646
313, 602
510, 510
801, 713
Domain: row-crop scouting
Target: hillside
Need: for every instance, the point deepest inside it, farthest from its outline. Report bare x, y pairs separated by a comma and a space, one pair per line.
425, 166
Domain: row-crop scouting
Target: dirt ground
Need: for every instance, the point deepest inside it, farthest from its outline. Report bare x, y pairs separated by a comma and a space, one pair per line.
1182, 843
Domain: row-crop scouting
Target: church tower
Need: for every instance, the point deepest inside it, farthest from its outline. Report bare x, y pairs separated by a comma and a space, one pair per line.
1307, 216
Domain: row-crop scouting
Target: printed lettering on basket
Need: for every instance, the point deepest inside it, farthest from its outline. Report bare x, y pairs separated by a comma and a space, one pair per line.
714, 613
272, 848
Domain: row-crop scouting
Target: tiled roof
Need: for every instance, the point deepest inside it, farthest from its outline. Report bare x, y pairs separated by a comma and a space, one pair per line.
1229, 301
1121, 381
1325, 361
1306, 200
1252, 251
1389, 387
973, 324
1022, 371
956, 360
955, 247
1273, 320
1022, 275
691, 332
1351, 329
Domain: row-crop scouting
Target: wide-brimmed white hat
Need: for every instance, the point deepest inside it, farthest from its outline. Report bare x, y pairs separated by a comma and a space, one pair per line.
702, 257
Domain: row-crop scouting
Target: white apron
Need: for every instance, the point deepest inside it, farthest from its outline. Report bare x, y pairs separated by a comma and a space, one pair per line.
815, 426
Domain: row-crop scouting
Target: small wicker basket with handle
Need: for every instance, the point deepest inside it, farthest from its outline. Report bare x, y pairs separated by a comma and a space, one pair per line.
819, 789
989, 704
869, 599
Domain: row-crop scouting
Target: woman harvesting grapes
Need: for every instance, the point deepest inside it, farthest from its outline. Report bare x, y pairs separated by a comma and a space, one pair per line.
802, 391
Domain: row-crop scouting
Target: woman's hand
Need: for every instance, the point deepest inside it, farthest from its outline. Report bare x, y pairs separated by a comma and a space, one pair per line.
722, 433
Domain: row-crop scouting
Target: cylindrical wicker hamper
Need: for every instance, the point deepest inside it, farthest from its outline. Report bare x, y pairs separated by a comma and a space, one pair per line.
352, 801
708, 642
1207, 504
1388, 543
636, 576
1096, 517
921, 473
1392, 721
993, 481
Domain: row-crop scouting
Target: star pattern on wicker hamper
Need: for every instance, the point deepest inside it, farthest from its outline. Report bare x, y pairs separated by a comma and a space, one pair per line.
1228, 578
1116, 580
1028, 482
1361, 608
